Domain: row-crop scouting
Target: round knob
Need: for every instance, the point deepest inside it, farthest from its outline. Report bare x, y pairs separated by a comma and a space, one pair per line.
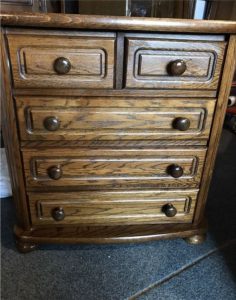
58, 214
169, 210
182, 124
62, 65
51, 123
177, 67
175, 171
55, 172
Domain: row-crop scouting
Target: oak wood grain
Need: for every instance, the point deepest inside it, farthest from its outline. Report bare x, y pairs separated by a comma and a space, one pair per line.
139, 93
228, 73
104, 118
113, 208
53, 20
148, 61
119, 144
33, 57
11, 141
113, 168
107, 158
107, 234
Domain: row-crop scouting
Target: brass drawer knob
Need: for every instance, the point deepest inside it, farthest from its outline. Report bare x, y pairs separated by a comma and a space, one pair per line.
51, 123
176, 67
175, 171
62, 65
55, 172
169, 210
58, 214
181, 124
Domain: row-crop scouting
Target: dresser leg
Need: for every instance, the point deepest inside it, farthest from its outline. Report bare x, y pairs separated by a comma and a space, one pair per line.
195, 239
25, 247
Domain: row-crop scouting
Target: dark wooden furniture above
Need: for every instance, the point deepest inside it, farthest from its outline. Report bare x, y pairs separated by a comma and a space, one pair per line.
111, 124
13, 6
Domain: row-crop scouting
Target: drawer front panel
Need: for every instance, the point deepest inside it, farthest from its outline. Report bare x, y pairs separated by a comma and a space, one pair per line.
113, 168
104, 208
62, 61
157, 63
113, 119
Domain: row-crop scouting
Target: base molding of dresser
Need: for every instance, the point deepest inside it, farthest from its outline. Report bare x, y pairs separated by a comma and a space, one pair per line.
104, 234
25, 247
195, 239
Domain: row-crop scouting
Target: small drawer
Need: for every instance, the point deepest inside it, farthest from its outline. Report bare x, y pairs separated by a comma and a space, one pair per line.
113, 208
114, 119
113, 168
56, 60
157, 63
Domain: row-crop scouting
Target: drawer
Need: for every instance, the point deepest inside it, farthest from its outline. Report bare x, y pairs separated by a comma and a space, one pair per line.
91, 118
156, 63
113, 208
56, 60
113, 168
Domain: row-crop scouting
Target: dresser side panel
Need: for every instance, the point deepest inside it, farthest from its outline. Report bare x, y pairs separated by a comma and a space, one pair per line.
216, 131
11, 141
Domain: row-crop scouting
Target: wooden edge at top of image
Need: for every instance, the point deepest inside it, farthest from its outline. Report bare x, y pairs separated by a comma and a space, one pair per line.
76, 21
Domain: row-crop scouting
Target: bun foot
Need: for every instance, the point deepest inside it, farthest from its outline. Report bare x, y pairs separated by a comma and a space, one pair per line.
195, 239
24, 247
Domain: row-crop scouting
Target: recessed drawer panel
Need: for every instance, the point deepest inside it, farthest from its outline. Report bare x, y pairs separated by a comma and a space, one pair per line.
113, 208
114, 119
162, 63
113, 168
55, 60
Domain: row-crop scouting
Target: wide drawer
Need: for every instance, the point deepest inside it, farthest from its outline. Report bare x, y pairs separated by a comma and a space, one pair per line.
89, 118
161, 62
113, 208
113, 167
61, 60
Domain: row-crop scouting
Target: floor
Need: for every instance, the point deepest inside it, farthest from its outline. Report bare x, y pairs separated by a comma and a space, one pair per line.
157, 270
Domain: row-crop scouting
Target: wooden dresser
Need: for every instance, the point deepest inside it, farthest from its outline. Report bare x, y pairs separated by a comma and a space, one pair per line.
111, 124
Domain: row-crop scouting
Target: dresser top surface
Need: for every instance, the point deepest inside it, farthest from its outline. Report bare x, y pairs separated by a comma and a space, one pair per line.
75, 21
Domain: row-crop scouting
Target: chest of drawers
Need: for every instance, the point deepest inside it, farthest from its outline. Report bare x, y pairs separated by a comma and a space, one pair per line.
111, 124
